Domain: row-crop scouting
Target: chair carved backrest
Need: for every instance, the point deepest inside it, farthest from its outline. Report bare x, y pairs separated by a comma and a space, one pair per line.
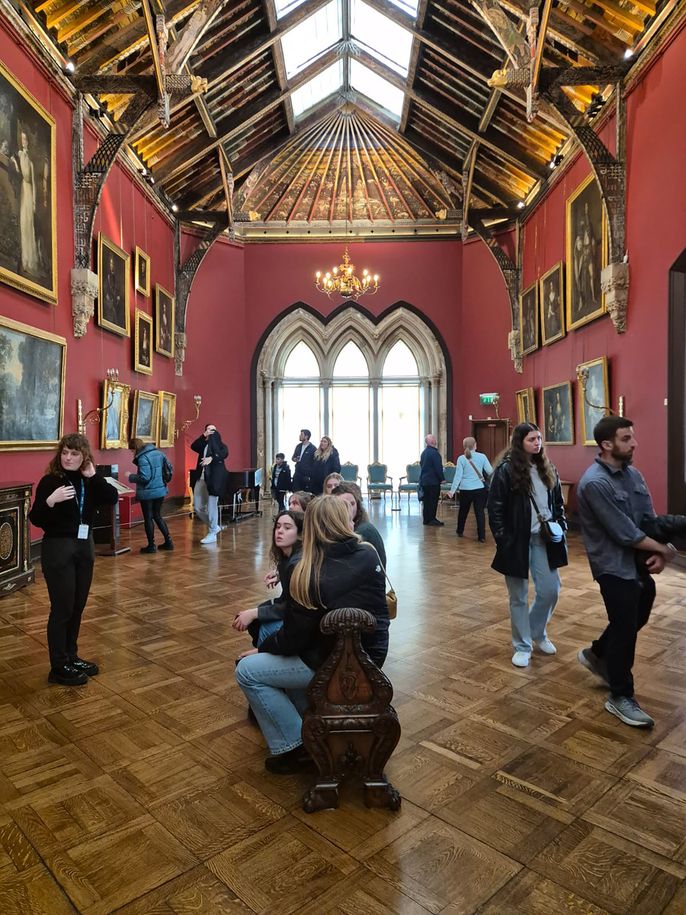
449, 472
376, 472
350, 725
414, 472
350, 472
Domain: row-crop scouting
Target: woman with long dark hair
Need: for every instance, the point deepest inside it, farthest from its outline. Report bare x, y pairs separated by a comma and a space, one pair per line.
326, 461
335, 570
65, 503
525, 490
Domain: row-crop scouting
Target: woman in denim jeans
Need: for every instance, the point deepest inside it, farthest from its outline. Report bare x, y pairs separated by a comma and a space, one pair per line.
335, 571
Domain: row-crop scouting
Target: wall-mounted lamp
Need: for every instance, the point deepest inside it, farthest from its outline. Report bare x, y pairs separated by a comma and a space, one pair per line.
197, 400
93, 416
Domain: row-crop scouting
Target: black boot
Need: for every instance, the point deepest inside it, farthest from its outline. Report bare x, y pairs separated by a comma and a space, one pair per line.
290, 763
150, 548
89, 668
167, 545
67, 675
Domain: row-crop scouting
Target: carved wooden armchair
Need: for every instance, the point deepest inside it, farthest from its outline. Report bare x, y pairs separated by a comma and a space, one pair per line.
350, 726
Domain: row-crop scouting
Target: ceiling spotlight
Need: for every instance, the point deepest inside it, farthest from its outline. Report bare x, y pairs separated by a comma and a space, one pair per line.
70, 66
555, 161
628, 54
521, 205
144, 173
174, 207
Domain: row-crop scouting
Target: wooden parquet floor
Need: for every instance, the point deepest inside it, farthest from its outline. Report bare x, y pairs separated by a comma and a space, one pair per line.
145, 792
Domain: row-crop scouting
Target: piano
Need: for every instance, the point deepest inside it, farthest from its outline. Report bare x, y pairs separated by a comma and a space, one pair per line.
241, 497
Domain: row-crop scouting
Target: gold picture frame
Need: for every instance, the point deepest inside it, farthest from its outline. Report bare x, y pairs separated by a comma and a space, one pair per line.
145, 417
585, 253
115, 417
165, 315
31, 387
597, 390
167, 419
526, 406
28, 246
113, 287
142, 272
558, 414
528, 319
551, 299
142, 343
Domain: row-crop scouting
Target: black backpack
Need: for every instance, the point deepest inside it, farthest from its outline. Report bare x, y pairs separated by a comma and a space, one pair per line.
167, 472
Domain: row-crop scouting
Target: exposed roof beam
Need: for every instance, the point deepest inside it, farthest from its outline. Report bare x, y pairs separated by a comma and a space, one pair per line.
193, 32
279, 62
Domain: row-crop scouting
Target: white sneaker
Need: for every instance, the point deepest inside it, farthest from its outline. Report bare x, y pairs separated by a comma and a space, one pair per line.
546, 646
210, 538
521, 658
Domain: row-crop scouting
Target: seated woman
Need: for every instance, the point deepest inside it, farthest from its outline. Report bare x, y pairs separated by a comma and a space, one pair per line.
335, 570
299, 500
266, 618
331, 482
363, 527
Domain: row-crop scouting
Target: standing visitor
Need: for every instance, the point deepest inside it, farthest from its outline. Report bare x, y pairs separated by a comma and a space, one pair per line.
326, 462
471, 471
303, 456
150, 491
430, 479
281, 480
209, 485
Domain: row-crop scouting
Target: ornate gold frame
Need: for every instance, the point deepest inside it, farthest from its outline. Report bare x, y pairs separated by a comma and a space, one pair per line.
123, 440
9, 276
602, 360
24, 445
528, 395
559, 267
533, 288
552, 387
140, 255
155, 400
167, 442
125, 331
569, 272
161, 290
138, 366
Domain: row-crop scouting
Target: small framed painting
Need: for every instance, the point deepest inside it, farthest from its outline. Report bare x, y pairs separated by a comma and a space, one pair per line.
558, 416
528, 319
551, 298
526, 406
113, 287
142, 272
164, 321
142, 344
167, 419
146, 416
596, 402
115, 415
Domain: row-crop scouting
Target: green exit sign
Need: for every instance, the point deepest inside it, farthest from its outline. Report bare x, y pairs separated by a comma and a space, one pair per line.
487, 400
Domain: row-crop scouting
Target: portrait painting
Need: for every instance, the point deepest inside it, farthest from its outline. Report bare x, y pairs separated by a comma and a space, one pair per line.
142, 272
528, 319
115, 415
558, 418
586, 244
167, 419
142, 343
526, 406
145, 418
28, 235
595, 403
164, 321
551, 298
113, 287
32, 372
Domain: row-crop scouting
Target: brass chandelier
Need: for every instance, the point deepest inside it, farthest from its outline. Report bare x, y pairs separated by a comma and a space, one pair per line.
343, 281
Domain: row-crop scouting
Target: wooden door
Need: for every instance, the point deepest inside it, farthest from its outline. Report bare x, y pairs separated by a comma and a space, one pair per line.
676, 446
492, 436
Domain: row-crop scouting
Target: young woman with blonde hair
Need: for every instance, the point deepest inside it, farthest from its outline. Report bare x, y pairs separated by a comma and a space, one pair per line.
335, 570
326, 461
470, 480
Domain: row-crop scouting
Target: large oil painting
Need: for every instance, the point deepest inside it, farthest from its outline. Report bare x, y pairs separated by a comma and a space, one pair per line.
558, 416
586, 238
596, 404
28, 238
528, 319
142, 344
145, 419
32, 371
551, 296
164, 321
115, 417
113, 287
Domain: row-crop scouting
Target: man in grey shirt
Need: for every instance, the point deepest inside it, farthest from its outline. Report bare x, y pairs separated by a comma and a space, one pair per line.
613, 498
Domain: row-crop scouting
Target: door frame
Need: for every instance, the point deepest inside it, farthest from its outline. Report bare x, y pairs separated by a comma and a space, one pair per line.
676, 393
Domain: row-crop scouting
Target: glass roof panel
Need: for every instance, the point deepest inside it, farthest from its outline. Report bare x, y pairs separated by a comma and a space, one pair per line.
323, 85
408, 6
285, 6
382, 38
376, 88
311, 38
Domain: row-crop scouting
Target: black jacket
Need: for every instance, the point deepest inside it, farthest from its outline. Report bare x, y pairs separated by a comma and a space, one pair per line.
351, 576
303, 467
509, 517
431, 467
215, 473
62, 520
321, 470
285, 481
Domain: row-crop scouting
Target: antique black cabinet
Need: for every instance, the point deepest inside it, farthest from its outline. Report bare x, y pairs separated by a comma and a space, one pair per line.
16, 569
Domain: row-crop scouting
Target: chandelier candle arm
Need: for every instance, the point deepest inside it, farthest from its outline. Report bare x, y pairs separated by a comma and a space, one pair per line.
343, 281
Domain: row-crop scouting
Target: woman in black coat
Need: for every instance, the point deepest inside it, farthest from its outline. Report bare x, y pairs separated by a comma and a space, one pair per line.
525, 476
210, 477
65, 503
326, 461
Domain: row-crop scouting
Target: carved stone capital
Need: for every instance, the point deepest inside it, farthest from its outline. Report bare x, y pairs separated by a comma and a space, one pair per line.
513, 343
84, 291
614, 281
180, 343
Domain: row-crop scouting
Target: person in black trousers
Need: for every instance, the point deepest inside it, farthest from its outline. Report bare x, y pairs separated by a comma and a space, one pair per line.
150, 491
430, 479
281, 481
64, 507
303, 458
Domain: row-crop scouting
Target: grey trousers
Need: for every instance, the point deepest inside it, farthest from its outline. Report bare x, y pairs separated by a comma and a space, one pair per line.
206, 506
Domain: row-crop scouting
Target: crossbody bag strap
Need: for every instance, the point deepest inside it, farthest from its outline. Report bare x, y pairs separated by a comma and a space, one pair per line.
476, 470
383, 569
540, 517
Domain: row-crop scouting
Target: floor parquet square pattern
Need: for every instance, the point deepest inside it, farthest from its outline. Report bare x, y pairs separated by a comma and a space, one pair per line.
145, 791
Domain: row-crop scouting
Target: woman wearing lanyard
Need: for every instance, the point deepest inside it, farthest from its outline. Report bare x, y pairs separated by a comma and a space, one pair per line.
470, 480
65, 503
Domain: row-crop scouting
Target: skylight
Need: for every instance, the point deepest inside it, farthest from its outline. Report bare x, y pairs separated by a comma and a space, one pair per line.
376, 88
311, 38
408, 6
382, 38
326, 82
285, 6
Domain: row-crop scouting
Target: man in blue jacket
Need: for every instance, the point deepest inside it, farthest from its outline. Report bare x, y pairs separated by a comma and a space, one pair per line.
430, 480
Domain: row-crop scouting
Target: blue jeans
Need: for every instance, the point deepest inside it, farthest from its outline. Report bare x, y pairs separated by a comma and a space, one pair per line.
529, 623
276, 688
267, 629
